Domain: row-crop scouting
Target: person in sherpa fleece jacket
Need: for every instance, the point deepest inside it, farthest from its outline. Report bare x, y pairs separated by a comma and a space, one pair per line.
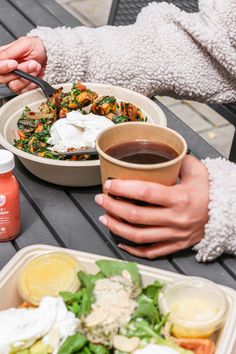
166, 52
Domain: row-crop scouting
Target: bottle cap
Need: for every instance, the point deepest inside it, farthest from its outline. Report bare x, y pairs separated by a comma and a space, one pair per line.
6, 161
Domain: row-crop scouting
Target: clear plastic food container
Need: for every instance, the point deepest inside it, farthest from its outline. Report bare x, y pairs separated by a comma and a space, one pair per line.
225, 338
197, 307
48, 274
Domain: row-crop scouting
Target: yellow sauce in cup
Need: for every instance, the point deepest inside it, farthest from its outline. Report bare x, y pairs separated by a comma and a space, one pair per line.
197, 307
47, 275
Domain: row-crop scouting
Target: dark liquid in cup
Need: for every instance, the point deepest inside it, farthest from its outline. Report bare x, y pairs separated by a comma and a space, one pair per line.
142, 152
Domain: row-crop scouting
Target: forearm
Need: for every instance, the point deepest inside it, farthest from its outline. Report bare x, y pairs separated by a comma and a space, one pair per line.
220, 231
166, 52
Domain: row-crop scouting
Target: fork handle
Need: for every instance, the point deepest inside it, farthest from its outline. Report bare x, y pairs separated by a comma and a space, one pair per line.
41, 83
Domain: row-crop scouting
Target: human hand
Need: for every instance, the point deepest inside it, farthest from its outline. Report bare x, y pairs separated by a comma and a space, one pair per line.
27, 54
175, 219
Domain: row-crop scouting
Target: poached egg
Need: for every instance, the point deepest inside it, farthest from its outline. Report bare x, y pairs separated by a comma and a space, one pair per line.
51, 321
77, 130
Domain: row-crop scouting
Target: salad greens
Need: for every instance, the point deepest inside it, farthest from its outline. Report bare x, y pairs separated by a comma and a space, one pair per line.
80, 302
111, 268
146, 322
120, 119
79, 344
73, 344
148, 304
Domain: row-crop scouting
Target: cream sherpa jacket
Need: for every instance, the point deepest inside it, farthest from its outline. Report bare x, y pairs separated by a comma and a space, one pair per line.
166, 52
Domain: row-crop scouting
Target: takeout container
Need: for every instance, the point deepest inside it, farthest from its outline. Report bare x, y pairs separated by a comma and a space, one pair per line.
165, 173
66, 173
225, 337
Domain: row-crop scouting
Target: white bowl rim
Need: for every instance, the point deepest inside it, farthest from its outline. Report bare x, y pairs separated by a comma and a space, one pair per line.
64, 163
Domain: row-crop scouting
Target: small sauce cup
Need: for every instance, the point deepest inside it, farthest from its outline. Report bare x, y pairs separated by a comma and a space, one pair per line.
47, 275
197, 307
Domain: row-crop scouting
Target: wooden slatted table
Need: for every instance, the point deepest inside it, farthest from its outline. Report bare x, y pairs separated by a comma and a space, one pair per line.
68, 217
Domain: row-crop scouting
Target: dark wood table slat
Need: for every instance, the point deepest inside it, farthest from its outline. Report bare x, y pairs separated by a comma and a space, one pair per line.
33, 230
7, 251
196, 143
4, 93
229, 263
69, 226
60, 13
186, 262
13, 20
38, 15
5, 36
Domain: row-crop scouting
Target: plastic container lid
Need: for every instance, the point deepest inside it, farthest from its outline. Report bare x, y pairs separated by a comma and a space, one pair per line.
197, 307
6, 161
47, 275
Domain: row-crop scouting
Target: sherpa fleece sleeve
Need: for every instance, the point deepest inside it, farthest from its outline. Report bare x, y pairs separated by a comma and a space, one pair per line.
220, 231
166, 52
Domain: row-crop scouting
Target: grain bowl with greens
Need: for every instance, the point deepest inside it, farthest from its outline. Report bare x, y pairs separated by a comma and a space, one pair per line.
71, 121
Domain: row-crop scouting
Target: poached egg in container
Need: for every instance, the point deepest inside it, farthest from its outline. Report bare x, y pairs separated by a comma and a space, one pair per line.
51, 321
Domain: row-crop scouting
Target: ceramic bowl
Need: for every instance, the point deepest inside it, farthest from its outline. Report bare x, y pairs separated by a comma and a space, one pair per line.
66, 173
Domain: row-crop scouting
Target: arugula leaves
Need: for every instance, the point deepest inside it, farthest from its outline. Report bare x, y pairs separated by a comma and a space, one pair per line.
73, 344
146, 321
111, 268
148, 304
146, 309
80, 302
79, 344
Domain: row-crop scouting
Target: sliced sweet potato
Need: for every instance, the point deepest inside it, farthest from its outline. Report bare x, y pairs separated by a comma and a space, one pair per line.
39, 128
21, 134
80, 86
197, 345
24, 305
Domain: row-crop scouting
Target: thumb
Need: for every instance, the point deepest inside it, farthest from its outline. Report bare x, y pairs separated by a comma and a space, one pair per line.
13, 50
5, 46
190, 167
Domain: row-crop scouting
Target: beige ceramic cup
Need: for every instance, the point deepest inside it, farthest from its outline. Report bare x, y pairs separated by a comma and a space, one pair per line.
165, 173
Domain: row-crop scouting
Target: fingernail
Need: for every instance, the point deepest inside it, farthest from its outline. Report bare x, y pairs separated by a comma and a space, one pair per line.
12, 64
121, 246
99, 199
107, 184
103, 220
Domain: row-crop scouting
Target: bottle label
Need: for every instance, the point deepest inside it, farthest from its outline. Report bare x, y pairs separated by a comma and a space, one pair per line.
4, 216
2, 200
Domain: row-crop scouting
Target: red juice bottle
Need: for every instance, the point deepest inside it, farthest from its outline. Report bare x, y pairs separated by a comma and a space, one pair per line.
9, 198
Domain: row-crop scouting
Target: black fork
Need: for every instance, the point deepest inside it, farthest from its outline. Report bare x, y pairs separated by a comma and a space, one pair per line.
47, 89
